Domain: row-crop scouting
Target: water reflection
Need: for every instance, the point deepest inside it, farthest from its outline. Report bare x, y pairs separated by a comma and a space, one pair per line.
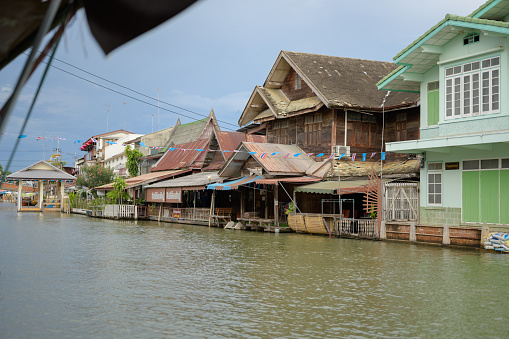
74, 276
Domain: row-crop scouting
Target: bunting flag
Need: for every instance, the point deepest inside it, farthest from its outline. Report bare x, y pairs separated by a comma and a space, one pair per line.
320, 155
363, 156
383, 155
198, 149
263, 155
274, 153
372, 155
225, 152
22, 136
93, 140
142, 144
297, 154
287, 155
331, 156
340, 156
251, 153
111, 142
353, 157
309, 154
40, 138
78, 141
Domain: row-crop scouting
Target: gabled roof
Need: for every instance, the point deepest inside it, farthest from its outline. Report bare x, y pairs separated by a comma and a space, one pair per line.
337, 82
193, 131
424, 53
197, 180
41, 170
273, 164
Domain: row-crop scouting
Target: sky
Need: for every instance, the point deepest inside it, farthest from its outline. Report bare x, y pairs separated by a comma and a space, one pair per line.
212, 55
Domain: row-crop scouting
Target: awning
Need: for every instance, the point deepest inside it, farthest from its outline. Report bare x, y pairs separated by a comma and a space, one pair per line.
233, 185
331, 187
274, 181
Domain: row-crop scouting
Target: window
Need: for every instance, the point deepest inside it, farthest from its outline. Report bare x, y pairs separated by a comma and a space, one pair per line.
281, 132
362, 129
435, 183
313, 129
471, 38
298, 81
401, 126
433, 107
472, 89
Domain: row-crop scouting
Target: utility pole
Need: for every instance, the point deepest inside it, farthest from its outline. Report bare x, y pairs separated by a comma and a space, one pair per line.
153, 115
125, 103
107, 116
158, 90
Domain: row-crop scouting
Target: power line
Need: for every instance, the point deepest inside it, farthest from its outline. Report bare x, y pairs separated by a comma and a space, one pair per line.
134, 91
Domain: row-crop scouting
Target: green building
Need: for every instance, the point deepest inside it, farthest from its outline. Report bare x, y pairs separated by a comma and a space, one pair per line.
460, 67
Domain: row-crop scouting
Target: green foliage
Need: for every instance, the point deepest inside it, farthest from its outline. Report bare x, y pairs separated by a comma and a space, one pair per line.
133, 158
93, 176
118, 192
2, 171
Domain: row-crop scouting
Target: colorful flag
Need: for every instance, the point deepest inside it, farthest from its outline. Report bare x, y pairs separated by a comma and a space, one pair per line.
320, 155
297, 154
225, 151
383, 155
274, 153
199, 150
142, 144
22, 136
372, 155
353, 157
309, 154
339, 158
287, 155
172, 148
331, 156
93, 140
40, 138
263, 155
252, 153
363, 156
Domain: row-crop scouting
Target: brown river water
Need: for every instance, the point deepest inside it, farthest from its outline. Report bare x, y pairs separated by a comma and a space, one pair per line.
71, 276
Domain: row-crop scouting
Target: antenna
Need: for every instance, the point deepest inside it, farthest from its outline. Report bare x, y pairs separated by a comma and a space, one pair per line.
158, 90
125, 103
107, 116
153, 115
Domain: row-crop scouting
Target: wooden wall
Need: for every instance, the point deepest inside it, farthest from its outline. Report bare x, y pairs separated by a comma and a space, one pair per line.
295, 94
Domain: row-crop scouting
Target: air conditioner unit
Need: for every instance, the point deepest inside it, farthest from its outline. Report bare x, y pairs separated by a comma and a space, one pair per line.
340, 149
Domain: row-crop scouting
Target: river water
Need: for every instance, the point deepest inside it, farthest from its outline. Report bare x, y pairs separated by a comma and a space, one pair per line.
73, 276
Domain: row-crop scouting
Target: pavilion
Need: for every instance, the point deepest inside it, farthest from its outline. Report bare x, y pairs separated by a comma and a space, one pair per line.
42, 172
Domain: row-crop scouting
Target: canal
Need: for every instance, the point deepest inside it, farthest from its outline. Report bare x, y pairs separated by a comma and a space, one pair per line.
70, 276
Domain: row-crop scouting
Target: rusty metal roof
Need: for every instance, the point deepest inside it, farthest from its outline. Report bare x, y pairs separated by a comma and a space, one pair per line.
274, 181
273, 163
229, 141
176, 158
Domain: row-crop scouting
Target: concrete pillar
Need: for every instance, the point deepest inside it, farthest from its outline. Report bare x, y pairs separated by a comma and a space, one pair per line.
413, 236
20, 198
62, 193
276, 205
446, 238
383, 233
485, 231
41, 194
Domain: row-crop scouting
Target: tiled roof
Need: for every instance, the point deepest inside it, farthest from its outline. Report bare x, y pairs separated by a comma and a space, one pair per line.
143, 179
347, 82
362, 169
41, 170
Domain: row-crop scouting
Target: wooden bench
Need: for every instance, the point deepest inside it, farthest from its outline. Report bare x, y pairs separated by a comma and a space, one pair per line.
223, 214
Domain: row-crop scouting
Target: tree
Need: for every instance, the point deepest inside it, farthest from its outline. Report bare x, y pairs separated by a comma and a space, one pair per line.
118, 191
133, 158
93, 176
2, 171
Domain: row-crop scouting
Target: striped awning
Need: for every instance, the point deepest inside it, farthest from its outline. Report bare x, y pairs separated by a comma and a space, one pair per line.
233, 185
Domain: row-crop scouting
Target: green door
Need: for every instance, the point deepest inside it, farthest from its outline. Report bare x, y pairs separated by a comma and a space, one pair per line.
504, 196
470, 196
489, 197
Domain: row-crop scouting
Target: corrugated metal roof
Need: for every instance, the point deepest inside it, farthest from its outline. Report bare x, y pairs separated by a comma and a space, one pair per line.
143, 179
276, 163
229, 141
41, 170
274, 181
331, 187
233, 185
193, 180
178, 158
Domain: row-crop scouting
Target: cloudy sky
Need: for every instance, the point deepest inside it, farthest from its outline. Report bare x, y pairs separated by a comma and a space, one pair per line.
210, 56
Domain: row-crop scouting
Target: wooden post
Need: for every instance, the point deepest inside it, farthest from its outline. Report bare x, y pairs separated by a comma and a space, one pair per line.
333, 134
383, 230
62, 193
412, 236
20, 193
242, 203
212, 201
160, 211
276, 205
446, 238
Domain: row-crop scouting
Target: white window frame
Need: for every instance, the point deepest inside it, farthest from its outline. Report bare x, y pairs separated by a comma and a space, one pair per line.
471, 86
435, 173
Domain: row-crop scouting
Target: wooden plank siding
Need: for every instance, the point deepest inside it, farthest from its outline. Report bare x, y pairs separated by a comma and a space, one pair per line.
364, 130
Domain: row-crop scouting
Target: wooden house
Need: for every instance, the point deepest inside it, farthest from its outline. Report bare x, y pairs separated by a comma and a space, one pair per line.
331, 104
